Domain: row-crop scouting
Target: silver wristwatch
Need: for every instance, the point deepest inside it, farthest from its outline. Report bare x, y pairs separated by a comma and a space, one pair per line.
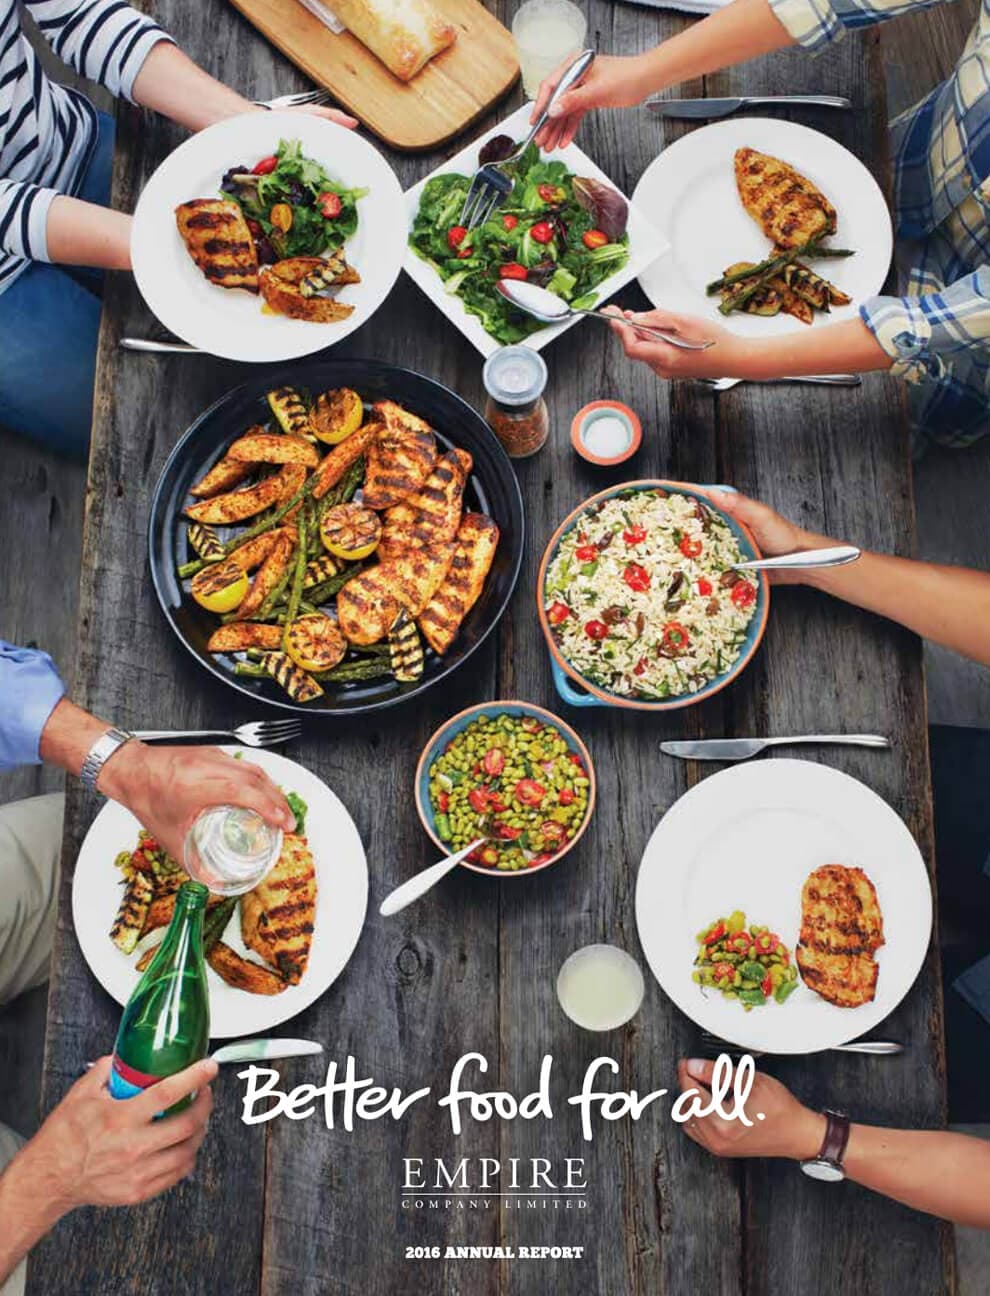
100, 753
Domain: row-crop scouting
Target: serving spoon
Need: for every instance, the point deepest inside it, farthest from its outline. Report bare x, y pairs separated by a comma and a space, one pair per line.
548, 308
834, 556
418, 885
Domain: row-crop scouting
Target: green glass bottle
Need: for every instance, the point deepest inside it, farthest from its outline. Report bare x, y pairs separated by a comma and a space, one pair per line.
166, 1024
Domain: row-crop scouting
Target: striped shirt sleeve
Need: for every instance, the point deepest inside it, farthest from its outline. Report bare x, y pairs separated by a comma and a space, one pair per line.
104, 40
918, 333
813, 23
24, 219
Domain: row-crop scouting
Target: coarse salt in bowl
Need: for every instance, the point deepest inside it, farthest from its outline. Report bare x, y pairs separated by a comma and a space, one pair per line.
606, 433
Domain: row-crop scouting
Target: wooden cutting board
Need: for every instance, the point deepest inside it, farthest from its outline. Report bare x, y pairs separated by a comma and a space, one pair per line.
451, 92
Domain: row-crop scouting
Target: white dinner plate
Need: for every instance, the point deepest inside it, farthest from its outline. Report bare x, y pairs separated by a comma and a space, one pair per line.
690, 192
229, 321
747, 838
341, 900
646, 242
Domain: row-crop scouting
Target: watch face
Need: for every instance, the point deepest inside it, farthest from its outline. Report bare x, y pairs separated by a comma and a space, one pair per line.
826, 1171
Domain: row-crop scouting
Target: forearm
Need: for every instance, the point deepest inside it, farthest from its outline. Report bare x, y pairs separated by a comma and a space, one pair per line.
172, 84
948, 605
934, 1171
741, 31
848, 347
28, 1210
83, 234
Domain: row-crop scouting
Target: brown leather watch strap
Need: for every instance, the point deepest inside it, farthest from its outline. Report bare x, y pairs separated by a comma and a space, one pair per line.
836, 1137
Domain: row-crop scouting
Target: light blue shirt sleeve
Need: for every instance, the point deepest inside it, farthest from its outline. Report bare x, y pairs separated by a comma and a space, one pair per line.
29, 688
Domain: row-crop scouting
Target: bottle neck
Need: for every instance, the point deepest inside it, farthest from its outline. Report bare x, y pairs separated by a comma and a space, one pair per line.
187, 918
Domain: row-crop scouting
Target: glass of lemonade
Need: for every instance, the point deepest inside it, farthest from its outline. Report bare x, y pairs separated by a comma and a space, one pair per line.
230, 849
546, 32
600, 987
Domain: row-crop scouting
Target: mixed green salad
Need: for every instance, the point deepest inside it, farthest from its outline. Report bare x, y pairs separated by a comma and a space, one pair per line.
292, 205
566, 233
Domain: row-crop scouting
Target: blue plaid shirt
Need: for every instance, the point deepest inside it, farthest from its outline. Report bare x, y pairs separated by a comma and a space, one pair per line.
938, 333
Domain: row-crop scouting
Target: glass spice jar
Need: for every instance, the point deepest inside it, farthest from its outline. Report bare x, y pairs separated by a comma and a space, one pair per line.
515, 378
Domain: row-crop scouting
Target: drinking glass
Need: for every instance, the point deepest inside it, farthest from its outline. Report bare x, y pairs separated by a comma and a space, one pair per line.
230, 849
600, 987
546, 32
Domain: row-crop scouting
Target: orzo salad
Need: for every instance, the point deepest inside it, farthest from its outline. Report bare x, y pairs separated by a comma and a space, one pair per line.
641, 598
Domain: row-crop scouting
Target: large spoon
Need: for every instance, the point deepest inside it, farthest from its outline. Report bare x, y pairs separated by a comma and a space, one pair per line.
836, 556
548, 308
420, 883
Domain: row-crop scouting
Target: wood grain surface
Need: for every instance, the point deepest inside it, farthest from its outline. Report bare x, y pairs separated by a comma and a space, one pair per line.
294, 1207
451, 92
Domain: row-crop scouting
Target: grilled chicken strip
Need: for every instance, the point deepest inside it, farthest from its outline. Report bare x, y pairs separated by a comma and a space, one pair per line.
277, 917
441, 619
431, 515
218, 240
787, 207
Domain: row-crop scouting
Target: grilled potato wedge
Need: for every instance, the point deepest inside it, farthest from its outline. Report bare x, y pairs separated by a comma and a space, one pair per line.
432, 515
399, 462
790, 302
134, 905
252, 553
278, 915
241, 973
217, 238
268, 576
280, 287
276, 448
441, 619
235, 506
787, 207
225, 474
340, 458
240, 635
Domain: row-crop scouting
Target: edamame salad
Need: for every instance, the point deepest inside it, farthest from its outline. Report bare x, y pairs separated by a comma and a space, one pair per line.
514, 779
749, 964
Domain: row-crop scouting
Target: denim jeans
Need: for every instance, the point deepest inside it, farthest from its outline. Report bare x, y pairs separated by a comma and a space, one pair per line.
49, 321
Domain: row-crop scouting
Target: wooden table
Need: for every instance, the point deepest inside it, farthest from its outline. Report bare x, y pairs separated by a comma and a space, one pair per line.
293, 1207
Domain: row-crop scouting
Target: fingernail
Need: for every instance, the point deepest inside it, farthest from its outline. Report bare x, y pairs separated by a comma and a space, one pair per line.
557, 110
696, 1068
211, 1068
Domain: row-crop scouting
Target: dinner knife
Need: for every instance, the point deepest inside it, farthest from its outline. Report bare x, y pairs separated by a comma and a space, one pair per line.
264, 1050
158, 348
703, 108
734, 749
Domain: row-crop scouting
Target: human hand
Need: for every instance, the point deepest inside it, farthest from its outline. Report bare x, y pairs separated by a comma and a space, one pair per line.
329, 114
167, 787
94, 1150
773, 533
610, 82
782, 1126
721, 360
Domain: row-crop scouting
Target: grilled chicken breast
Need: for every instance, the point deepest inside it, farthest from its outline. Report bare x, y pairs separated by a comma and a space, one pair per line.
368, 605
278, 915
432, 515
787, 207
218, 240
841, 929
474, 551
400, 460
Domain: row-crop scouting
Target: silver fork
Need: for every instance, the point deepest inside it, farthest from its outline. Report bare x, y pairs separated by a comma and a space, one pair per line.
259, 733
304, 97
491, 186
880, 1048
815, 380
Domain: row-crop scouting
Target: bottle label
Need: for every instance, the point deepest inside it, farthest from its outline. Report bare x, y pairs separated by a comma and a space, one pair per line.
126, 1082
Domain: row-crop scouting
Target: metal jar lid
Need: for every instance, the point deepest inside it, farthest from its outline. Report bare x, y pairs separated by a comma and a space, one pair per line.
515, 376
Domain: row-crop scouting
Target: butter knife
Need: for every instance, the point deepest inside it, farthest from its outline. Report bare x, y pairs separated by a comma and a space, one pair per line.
158, 348
261, 1050
736, 749
708, 108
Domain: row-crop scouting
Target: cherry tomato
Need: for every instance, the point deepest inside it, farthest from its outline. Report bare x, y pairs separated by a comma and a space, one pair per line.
254, 227
640, 667
766, 985
507, 833
690, 547
494, 762
713, 933
586, 553
443, 802
456, 235
566, 796
464, 252
743, 594
704, 587
266, 166
723, 971
539, 860
513, 271
496, 805
596, 630
478, 800
575, 759
675, 637
509, 221
542, 232
553, 833
528, 792
558, 613
281, 217
594, 239
488, 856
635, 535
636, 577
330, 205
551, 193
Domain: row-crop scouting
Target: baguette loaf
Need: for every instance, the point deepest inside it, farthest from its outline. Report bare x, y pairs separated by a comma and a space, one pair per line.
404, 34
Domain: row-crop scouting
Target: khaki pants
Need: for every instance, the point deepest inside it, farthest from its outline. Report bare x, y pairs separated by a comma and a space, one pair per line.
30, 845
